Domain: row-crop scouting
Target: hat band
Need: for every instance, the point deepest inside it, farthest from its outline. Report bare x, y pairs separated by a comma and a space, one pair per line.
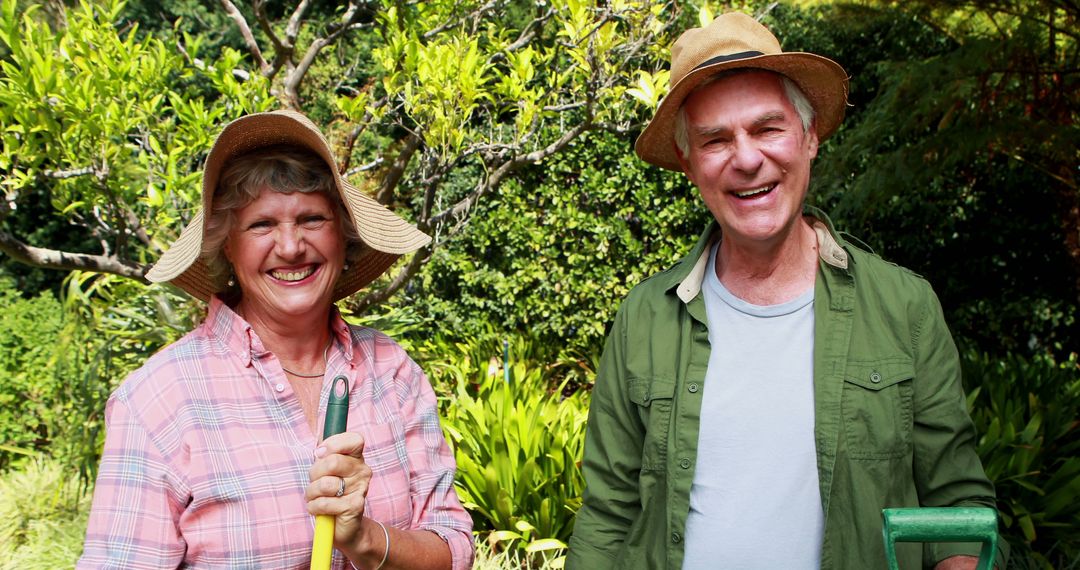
723, 58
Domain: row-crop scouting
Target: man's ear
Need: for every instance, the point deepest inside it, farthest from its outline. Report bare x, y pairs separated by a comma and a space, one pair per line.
812, 143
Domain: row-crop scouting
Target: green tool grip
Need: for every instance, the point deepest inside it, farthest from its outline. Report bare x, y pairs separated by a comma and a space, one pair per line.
941, 524
337, 407
337, 418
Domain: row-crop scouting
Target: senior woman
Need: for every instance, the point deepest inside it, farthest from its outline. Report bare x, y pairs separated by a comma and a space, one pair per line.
212, 453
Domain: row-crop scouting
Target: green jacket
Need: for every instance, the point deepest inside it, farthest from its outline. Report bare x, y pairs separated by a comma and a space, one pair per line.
891, 425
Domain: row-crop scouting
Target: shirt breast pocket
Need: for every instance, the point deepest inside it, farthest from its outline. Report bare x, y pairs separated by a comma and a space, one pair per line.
653, 398
877, 408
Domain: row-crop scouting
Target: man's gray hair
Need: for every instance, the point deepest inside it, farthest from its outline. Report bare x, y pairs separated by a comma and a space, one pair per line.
794, 94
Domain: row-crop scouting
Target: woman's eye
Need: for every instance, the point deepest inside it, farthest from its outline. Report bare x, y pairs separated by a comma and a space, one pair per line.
313, 222
260, 226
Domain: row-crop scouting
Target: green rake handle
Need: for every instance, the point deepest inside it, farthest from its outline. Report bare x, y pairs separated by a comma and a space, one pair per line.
941, 524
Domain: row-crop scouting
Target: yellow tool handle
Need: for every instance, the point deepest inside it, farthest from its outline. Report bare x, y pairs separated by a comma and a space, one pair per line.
322, 548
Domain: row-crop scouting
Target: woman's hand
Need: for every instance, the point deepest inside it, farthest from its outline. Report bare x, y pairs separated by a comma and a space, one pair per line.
340, 459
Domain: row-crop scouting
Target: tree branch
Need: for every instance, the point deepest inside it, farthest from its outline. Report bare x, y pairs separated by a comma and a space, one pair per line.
455, 21
404, 276
66, 261
296, 75
70, 173
282, 52
493, 181
292, 30
385, 193
245, 31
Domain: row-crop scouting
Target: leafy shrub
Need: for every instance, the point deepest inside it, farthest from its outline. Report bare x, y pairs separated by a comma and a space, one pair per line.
43, 514
29, 392
1025, 412
112, 326
553, 254
517, 444
62, 358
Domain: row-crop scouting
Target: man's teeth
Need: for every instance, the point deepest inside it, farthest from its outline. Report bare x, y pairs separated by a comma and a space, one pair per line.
754, 192
292, 275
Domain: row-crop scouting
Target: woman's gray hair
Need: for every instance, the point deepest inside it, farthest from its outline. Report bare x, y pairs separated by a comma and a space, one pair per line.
284, 169
794, 94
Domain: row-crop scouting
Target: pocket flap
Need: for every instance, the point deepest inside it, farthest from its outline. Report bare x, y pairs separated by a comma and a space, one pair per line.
644, 390
880, 374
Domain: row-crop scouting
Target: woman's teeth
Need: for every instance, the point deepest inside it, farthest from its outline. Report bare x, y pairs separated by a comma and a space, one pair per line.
292, 275
754, 192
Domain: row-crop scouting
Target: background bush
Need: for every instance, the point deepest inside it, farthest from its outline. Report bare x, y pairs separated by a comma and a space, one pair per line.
1026, 414
30, 400
43, 512
517, 442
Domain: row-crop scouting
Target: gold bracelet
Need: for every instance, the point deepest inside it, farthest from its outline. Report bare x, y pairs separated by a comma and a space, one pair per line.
386, 553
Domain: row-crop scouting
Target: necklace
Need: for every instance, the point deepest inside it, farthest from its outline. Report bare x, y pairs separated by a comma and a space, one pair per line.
318, 375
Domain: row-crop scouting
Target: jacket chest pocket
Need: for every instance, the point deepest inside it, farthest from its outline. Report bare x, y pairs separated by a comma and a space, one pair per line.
877, 408
653, 398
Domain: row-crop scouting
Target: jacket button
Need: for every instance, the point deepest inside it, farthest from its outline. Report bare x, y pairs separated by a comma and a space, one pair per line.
702, 327
676, 538
693, 387
875, 377
685, 463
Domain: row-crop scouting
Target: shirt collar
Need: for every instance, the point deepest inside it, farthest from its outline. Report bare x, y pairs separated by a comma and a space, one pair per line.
687, 277
240, 339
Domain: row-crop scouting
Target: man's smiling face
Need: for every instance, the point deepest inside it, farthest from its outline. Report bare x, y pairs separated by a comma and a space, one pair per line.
749, 156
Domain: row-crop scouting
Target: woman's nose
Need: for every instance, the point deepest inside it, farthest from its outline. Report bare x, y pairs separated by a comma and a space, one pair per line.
290, 240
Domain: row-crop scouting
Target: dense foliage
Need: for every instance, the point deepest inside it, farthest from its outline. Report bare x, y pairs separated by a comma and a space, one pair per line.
961, 159
1025, 412
555, 254
43, 513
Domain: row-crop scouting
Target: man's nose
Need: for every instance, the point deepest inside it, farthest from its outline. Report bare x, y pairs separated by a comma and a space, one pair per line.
746, 156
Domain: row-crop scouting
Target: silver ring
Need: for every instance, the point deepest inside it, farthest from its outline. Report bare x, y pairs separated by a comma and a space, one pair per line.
341, 488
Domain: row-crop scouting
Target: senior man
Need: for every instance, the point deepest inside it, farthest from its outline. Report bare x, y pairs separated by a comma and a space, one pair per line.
760, 402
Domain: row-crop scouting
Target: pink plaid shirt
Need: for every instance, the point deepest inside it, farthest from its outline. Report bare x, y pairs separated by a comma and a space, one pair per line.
207, 454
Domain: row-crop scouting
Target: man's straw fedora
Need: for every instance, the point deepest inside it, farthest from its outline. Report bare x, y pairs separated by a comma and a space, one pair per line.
736, 40
385, 236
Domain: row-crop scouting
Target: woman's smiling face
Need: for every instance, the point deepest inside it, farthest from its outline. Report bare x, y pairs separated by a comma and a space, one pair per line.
287, 252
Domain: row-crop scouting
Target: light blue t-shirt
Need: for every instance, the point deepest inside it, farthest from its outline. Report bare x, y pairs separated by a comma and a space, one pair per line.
755, 501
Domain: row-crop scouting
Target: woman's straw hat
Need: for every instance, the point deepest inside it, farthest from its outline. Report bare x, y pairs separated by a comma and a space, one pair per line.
385, 236
735, 40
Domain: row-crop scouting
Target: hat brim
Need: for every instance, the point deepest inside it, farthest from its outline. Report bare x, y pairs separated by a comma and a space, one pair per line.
822, 80
385, 235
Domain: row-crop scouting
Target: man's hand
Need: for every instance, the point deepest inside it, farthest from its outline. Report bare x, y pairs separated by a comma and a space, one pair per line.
958, 563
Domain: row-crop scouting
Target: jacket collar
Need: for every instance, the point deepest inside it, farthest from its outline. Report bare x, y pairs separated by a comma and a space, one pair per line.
689, 274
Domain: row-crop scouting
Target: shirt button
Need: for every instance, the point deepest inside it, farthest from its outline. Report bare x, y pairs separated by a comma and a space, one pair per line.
676, 537
280, 387
685, 463
875, 377
693, 387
